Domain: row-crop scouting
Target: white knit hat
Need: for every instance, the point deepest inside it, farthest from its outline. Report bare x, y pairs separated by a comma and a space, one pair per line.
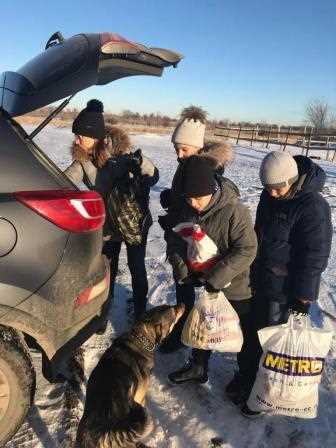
278, 169
190, 129
189, 132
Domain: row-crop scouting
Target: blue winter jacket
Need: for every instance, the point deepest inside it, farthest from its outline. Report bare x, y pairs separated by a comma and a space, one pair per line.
294, 237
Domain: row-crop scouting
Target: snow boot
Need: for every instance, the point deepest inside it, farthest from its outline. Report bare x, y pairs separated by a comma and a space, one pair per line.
236, 390
248, 413
189, 373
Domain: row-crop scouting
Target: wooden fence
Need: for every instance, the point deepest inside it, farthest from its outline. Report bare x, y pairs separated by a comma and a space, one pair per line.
308, 139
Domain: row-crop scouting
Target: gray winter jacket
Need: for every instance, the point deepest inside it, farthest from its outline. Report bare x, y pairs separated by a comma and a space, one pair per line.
228, 223
82, 171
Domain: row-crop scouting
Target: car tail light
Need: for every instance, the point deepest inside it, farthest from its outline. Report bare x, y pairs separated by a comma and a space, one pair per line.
93, 291
74, 211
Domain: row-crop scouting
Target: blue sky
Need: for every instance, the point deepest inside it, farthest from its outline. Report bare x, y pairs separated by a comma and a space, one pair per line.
244, 59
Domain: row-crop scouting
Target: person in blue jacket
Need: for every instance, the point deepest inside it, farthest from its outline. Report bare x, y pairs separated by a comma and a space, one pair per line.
294, 231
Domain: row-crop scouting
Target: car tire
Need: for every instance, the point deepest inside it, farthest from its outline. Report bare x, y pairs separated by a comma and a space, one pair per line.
17, 382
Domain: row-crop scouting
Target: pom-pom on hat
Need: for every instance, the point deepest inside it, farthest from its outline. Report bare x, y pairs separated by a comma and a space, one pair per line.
90, 121
191, 128
278, 169
198, 177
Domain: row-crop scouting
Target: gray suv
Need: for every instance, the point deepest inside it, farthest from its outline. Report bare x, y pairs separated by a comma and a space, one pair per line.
54, 281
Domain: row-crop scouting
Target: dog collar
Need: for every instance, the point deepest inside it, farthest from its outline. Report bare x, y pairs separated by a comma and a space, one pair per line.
143, 342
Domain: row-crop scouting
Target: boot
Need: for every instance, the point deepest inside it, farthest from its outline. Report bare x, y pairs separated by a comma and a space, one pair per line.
238, 389
191, 372
248, 413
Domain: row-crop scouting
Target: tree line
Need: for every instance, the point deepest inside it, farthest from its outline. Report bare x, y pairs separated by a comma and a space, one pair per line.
318, 114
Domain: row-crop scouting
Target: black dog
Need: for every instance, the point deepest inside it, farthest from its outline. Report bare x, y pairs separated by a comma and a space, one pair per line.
115, 415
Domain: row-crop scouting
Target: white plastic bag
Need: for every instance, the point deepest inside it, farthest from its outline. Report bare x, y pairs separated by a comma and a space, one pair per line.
290, 368
213, 324
202, 252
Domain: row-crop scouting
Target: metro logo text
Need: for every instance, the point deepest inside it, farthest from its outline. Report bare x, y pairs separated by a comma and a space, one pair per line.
293, 365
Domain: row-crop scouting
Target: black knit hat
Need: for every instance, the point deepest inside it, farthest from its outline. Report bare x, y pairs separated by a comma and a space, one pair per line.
198, 177
90, 121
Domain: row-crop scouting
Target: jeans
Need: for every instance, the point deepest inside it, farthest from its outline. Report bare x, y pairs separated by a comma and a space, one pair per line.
136, 263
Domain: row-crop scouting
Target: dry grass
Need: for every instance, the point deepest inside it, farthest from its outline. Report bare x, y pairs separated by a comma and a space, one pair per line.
129, 128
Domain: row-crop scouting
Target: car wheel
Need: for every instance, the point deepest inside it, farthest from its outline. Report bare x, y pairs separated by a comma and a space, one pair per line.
17, 383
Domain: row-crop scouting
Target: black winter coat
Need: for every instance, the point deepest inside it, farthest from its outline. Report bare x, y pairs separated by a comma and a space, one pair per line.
137, 180
294, 237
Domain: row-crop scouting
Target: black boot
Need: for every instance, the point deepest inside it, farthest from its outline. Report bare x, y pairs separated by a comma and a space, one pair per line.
191, 372
238, 389
248, 413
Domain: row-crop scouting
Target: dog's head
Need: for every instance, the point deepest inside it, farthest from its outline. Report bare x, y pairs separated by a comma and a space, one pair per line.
158, 322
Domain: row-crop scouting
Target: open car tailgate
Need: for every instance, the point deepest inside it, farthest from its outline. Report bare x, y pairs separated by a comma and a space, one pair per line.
73, 64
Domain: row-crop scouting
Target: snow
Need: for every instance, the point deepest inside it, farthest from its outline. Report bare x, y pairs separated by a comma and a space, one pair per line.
185, 416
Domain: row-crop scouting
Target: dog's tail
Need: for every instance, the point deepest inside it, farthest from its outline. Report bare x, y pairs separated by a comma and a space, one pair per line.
128, 432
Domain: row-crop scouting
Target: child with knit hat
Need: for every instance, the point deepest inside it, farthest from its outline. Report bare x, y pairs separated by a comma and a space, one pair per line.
212, 243
294, 232
188, 139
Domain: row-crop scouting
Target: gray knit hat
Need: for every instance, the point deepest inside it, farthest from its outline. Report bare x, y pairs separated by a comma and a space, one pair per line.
278, 169
191, 128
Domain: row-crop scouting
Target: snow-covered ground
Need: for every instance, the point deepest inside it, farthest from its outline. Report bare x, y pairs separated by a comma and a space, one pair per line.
188, 416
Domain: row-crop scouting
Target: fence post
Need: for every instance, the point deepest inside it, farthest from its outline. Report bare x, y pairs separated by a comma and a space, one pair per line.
309, 140
238, 134
334, 156
328, 148
269, 137
252, 136
286, 140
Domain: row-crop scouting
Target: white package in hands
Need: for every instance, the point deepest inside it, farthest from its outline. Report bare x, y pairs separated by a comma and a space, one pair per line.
290, 368
213, 324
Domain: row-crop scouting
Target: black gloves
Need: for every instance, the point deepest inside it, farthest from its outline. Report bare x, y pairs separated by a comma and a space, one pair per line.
180, 269
134, 162
299, 307
137, 157
165, 198
194, 279
210, 288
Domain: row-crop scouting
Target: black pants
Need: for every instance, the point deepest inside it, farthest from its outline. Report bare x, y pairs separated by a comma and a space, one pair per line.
136, 263
263, 313
243, 309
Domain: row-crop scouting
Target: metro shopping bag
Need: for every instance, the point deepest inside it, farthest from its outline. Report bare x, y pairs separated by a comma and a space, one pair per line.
290, 368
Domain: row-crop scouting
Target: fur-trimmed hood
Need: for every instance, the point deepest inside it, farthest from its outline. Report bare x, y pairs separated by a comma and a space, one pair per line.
118, 141
220, 153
